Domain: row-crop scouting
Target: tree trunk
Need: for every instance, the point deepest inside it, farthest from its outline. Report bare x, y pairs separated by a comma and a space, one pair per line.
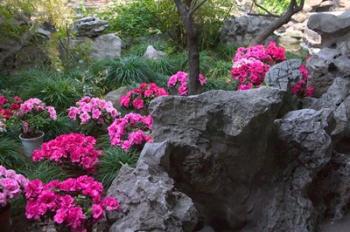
285, 18
193, 59
192, 44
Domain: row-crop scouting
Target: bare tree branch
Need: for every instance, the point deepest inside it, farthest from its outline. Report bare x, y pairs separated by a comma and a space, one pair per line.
293, 8
196, 6
264, 9
264, 15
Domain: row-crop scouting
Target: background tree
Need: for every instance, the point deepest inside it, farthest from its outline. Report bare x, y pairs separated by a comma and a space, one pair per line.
294, 7
186, 9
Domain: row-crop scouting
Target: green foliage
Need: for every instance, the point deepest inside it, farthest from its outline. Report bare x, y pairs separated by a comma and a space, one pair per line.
127, 71
112, 160
54, 88
277, 7
9, 153
44, 170
132, 20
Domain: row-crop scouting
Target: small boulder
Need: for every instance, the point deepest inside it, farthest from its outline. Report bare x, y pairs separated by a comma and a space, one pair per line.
153, 54
115, 95
90, 26
108, 46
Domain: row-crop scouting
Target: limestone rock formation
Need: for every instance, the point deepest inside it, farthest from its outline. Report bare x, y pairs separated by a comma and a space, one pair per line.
284, 75
149, 200
241, 30
330, 26
239, 161
107, 46
90, 26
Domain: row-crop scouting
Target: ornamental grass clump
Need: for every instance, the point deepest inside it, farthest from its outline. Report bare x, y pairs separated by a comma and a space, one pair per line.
130, 131
140, 97
70, 149
74, 203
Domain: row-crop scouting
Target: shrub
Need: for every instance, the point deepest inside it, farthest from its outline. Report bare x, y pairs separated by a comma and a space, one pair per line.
128, 70
10, 156
132, 20
54, 88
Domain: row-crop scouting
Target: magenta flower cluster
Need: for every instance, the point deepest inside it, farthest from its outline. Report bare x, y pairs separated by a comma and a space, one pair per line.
72, 202
139, 98
11, 185
251, 64
180, 80
74, 148
35, 105
131, 130
96, 109
301, 88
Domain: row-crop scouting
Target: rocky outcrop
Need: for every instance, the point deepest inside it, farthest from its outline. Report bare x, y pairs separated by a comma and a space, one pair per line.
149, 200
332, 60
242, 162
284, 75
90, 26
108, 46
242, 29
332, 26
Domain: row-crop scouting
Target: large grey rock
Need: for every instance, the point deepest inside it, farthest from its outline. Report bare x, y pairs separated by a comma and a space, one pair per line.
334, 96
108, 46
284, 75
303, 134
90, 26
325, 66
218, 140
332, 26
153, 54
241, 30
149, 200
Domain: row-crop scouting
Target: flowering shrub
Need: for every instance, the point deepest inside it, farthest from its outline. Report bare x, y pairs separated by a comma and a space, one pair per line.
133, 129
74, 202
250, 65
11, 185
34, 115
93, 109
139, 98
73, 148
180, 79
8, 106
301, 88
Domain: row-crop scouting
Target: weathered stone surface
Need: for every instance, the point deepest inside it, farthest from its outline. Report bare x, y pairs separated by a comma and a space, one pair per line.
90, 26
325, 66
149, 200
115, 95
284, 75
108, 46
218, 141
334, 96
153, 54
332, 26
241, 30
